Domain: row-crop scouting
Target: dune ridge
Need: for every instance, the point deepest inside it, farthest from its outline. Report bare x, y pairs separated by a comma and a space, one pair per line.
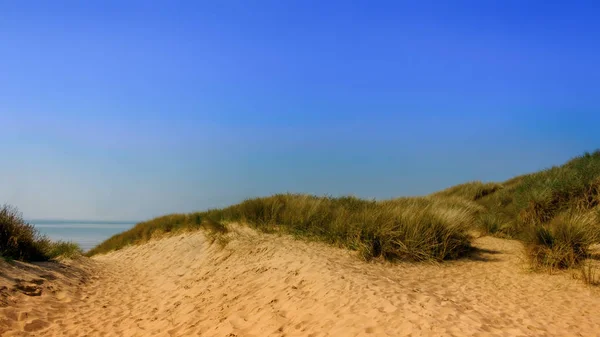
272, 285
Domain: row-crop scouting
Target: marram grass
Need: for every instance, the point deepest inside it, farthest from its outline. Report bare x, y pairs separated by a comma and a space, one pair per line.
412, 229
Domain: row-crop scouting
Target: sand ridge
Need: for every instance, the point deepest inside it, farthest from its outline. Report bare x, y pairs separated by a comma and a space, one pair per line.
271, 285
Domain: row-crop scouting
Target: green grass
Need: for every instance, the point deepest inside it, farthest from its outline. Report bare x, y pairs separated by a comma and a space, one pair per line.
66, 249
555, 212
21, 241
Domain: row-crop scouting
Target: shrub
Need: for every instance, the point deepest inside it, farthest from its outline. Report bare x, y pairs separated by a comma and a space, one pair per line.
18, 239
21, 241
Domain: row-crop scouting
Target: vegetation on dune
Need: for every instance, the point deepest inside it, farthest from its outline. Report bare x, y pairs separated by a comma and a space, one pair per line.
555, 212
564, 242
405, 228
144, 231
474, 190
21, 241
537, 198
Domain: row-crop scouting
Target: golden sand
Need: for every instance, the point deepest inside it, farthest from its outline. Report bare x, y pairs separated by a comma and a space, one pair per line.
270, 285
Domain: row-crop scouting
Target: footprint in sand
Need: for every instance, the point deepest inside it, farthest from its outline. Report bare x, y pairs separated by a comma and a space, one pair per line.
29, 289
36, 325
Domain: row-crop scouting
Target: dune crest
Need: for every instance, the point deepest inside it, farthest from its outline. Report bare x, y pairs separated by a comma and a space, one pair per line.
269, 285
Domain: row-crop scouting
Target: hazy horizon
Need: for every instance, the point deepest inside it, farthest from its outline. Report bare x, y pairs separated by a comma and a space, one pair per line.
38, 221
86, 233
130, 110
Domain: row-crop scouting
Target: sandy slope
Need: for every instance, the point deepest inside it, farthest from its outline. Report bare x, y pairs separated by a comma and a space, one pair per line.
261, 285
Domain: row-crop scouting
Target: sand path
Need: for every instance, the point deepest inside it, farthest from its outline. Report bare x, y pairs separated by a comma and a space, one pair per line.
268, 285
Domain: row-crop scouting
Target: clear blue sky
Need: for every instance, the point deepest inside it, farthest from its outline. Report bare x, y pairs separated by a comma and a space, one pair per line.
128, 110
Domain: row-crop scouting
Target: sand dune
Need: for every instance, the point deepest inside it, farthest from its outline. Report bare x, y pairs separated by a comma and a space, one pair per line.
268, 285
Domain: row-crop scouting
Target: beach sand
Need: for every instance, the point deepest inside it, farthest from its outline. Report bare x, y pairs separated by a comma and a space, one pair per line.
273, 285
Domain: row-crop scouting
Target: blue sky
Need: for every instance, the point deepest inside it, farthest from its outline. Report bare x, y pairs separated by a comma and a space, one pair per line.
128, 110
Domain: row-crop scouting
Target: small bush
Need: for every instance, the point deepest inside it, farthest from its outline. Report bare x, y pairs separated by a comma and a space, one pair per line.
18, 239
564, 242
21, 241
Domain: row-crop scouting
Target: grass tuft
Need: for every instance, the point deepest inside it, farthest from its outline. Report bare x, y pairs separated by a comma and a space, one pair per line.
564, 242
590, 273
490, 224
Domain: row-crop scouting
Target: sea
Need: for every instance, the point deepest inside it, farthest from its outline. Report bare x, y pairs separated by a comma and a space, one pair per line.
87, 234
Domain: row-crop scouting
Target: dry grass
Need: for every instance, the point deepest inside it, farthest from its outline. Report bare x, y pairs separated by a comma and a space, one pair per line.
21, 241
573, 187
492, 224
473, 191
413, 229
590, 273
144, 231
564, 242
556, 212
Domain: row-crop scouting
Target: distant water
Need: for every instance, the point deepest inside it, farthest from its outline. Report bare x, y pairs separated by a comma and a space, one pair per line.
87, 234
